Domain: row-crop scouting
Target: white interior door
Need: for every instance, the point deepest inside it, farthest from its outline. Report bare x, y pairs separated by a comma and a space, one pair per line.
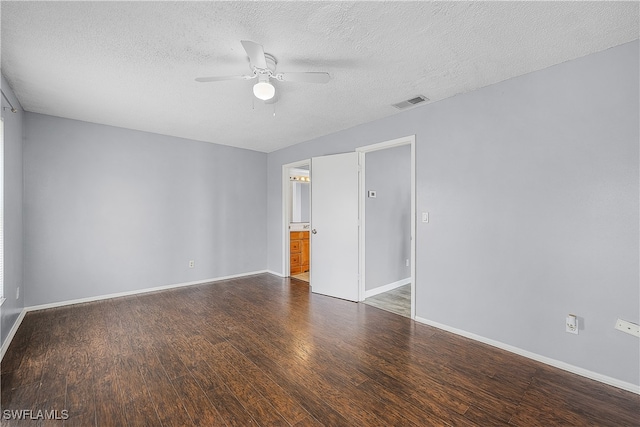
334, 225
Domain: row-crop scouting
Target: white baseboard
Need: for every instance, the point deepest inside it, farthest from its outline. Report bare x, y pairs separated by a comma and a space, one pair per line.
546, 360
138, 291
12, 333
386, 288
24, 311
275, 273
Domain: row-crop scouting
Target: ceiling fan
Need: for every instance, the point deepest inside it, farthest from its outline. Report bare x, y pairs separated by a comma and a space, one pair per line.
263, 67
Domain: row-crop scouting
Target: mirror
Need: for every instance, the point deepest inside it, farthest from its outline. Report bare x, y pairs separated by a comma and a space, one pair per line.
300, 201
300, 195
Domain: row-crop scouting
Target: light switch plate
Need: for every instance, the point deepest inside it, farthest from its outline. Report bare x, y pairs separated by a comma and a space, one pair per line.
371, 194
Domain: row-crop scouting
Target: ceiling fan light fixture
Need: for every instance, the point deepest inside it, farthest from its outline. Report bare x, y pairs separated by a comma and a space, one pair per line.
263, 67
264, 90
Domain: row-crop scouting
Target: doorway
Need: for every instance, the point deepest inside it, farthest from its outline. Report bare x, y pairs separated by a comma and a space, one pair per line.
297, 219
387, 215
338, 223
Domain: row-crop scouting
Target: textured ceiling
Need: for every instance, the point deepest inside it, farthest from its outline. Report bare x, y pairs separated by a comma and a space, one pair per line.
133, 64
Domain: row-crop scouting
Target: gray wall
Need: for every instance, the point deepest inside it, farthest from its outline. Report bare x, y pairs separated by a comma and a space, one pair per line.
110, 210
13, 253
532, 188
388, 216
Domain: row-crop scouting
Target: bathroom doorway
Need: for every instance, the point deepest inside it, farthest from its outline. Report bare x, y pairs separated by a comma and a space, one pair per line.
297, 220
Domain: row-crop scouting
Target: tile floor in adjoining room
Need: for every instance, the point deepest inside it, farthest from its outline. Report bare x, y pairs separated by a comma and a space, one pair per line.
397, 301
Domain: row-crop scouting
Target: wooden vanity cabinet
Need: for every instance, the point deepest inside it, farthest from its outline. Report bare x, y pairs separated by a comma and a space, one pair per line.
299, 248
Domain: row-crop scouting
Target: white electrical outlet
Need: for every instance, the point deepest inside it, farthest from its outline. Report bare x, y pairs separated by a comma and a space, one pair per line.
571, 324
192, 264
628, 327
406, 263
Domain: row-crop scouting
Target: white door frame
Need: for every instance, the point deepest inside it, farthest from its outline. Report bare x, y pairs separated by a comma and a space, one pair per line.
407, 140
286, 200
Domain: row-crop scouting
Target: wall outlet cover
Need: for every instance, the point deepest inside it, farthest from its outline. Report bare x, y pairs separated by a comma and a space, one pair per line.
571, 325
628, 327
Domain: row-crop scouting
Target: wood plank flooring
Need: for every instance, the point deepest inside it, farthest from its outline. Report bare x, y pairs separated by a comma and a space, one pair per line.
397, 301
264, 351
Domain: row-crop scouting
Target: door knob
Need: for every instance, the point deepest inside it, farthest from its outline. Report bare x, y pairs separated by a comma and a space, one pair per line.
314, 231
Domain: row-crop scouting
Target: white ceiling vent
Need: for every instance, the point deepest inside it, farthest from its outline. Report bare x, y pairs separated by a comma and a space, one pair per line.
411, 102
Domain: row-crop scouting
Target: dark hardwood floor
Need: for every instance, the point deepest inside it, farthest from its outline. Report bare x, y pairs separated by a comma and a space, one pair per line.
265, 351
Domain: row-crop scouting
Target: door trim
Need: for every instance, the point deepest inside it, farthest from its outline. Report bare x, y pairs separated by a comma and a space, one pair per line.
286, 199
407, 140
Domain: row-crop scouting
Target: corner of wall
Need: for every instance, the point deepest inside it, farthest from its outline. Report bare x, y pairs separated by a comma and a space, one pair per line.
12, 309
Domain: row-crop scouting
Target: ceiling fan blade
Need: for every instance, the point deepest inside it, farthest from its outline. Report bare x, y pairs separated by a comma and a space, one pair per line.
304, 77
222, 78
255, 53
